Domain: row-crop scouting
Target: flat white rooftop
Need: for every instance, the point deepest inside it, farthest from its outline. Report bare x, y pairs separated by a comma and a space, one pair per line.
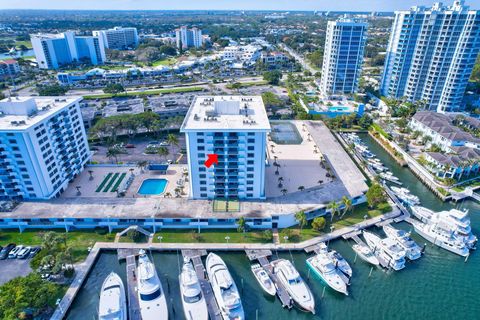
226, 113
20, 113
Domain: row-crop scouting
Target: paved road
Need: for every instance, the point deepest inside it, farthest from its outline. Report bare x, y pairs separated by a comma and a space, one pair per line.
12, 268
299, 58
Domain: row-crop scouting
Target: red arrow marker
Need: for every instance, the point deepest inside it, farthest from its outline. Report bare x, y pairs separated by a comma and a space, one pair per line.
212, 158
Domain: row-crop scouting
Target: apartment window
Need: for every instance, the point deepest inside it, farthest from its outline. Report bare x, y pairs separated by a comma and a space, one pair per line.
251, 140
250, 195
200, 140
200, 134
249, 182
203, 188
250, 175
201, 148
202, 169
249, 188
12, 141
203, 195
250, 155
203, 182
249, 169
250, 162
202, 176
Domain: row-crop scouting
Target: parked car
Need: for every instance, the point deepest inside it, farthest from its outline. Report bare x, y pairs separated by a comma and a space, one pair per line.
24, 253
13, 254
34, 252
128, 145
6, 250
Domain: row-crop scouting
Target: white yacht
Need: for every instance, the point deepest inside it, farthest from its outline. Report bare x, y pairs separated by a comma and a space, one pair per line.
404, 195
152, 301
458, 221
442, 237
224, 288
340, 263
322, 266
387, 250
294, 284
365, 253
404, 241
113, 304
263, 279
388, 176
193, 301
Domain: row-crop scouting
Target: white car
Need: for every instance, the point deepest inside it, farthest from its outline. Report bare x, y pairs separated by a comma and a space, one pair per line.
23, 254
13, 254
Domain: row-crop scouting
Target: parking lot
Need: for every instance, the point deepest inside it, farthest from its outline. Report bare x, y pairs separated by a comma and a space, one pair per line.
12, 268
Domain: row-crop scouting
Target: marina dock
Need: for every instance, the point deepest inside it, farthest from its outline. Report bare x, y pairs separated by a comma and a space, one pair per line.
133, 303
196, 257
262, 257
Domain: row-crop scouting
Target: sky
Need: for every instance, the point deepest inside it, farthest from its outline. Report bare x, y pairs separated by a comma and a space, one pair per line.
321, 5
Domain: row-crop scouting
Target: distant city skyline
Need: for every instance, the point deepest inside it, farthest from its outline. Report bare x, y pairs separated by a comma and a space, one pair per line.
320, 5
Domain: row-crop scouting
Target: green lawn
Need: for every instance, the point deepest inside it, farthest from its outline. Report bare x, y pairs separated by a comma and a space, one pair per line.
78, 240
164, 62
247, 84
142, 93
211, 236
349, 219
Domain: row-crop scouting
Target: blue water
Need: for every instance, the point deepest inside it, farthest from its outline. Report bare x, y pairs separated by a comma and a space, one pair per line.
153, 186
439, 286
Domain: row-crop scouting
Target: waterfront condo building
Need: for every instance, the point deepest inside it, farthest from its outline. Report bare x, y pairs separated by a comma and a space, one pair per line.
43, 146
9, 68
54, 50
430, 55
343, 57
187, 38
235, 128
118, 38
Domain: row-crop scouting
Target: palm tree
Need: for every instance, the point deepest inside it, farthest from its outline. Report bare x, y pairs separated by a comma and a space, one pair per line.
347, 205
301, 218
90, 172
284, 191
142, 164
173, 140
241, 224
333, 206
301, 188
163, 152
112, 153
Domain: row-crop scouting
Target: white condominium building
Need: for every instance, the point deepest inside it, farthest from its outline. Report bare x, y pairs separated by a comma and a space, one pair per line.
430, 55
246, 54
43, 146
187, 38
235, 128
54, 50
118, 38
343, 56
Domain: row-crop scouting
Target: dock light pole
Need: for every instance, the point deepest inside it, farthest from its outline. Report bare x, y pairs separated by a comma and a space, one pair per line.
227, 238
332, 227
160, 238
365, 218
285, 238
59, 305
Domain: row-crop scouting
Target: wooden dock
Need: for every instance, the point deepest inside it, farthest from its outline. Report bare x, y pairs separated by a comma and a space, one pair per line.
123, 253
262, 257
133, 304
196, 257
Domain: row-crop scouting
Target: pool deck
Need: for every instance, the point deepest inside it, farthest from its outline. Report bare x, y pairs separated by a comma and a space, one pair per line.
349, 182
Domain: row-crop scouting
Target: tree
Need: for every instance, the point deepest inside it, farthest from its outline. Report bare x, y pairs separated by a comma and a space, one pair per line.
284, 191
319, 223
29, 294
112, 153
52, 90
347, 205
333, 206
113, 88
163, 152
142, 164
167, 50
301, 188
375, 195
241, 224
301, 218
173, 140
272, 77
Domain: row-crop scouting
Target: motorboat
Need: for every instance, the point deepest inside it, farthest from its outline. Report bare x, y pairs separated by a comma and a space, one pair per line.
365, 253
340, 263
387, 250
454, 219
152, 301
403, 239
294, 284
442, 237
224, 288
405, 196
113, 303
193, 301
388, 176
264, 279
322, 266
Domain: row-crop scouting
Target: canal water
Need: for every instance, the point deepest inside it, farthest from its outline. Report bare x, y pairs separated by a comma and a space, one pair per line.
438, 286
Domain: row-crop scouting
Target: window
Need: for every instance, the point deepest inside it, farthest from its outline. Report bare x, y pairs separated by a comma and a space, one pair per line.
203, 188
200, 140
203, 195
251, 140
250, 162
251, 155
201, 148
202, 176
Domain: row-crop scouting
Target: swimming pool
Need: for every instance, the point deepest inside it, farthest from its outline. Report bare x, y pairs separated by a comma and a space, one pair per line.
284, 132
153, 186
